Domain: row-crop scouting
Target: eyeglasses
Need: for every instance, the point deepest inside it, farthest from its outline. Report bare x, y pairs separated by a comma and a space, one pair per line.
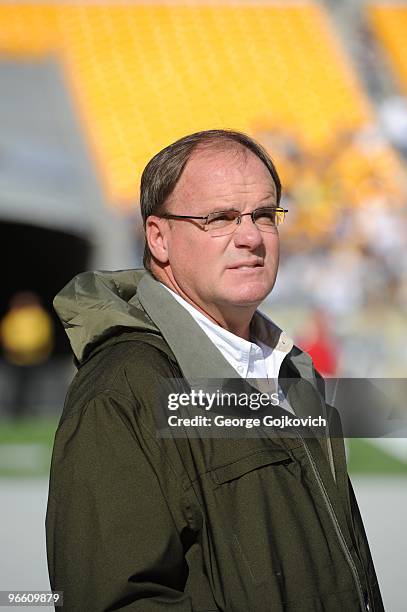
224, 222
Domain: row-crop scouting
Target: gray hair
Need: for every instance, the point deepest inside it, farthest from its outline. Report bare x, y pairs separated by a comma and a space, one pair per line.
164, 170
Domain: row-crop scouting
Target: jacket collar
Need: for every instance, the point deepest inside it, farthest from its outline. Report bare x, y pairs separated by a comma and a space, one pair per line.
191, 343
184, 336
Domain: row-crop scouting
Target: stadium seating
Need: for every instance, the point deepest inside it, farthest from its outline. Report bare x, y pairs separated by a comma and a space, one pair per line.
389, 23
144, 74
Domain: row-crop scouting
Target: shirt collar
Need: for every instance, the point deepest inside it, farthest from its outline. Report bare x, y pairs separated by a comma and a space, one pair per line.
237, 350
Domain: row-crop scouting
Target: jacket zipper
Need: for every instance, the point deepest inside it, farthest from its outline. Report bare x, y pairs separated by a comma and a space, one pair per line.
330, 457
329, 445
339, 533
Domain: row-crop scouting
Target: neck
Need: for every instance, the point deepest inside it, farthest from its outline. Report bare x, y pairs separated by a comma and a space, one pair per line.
236, 320
239, 325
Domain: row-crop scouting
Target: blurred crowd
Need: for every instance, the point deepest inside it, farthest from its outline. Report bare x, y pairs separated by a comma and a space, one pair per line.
345, 236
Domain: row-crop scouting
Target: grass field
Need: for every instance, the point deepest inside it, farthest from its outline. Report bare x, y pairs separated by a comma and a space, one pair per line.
26, 447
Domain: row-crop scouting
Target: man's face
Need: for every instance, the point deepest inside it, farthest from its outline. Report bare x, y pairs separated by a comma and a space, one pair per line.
221, 273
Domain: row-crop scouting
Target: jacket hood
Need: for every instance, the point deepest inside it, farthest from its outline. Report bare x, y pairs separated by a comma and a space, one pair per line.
94, 306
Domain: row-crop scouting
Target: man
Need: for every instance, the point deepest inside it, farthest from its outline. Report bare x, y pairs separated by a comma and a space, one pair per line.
136, 521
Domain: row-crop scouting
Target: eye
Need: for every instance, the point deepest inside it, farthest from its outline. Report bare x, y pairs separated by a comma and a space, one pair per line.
266, 216
221, 218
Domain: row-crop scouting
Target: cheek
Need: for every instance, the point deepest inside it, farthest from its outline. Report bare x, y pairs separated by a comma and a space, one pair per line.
186, 254
273, 250
179, 244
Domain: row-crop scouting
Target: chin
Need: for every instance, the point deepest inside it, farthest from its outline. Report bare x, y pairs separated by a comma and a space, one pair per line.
250, 294
244, 288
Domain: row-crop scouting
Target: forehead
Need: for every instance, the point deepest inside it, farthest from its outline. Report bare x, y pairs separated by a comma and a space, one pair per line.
224, 175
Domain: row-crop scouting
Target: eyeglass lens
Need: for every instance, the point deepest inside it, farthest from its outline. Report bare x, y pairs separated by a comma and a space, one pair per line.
225, 222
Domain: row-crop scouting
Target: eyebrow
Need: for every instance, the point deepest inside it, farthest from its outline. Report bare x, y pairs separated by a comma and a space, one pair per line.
224, 209
231, 208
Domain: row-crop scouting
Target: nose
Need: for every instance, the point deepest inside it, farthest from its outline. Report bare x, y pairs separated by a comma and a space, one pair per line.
247, 234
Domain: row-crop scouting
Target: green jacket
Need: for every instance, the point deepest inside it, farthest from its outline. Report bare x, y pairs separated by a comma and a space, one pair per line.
146, 523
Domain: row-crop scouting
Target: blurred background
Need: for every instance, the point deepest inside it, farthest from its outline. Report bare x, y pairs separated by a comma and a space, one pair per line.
89, 91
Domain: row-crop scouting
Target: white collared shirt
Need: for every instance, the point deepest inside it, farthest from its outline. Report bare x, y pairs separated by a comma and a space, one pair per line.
255, 360
250, 359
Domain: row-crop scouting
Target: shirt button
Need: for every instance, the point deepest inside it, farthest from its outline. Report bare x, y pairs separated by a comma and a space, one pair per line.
240, 369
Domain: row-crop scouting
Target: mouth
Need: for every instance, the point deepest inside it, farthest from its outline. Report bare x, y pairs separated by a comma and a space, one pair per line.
250, 266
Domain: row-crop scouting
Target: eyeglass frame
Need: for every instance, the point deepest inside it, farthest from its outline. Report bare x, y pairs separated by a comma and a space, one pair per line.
238, 218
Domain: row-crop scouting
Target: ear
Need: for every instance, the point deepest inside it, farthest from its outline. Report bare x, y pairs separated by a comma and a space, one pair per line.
156, 235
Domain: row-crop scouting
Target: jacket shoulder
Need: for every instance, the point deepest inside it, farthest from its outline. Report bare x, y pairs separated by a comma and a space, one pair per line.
129, 366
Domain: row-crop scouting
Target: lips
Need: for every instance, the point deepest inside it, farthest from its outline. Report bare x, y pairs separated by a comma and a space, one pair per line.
246, 265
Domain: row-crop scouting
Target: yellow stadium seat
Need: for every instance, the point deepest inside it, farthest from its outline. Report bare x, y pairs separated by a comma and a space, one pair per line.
144, 74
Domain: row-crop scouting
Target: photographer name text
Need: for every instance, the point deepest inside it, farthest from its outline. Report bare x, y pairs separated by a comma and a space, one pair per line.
281, 422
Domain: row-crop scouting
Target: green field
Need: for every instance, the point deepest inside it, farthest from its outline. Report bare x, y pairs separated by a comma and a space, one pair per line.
26, 447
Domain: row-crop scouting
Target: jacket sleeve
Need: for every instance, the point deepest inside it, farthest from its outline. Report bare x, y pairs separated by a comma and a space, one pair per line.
112, 541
